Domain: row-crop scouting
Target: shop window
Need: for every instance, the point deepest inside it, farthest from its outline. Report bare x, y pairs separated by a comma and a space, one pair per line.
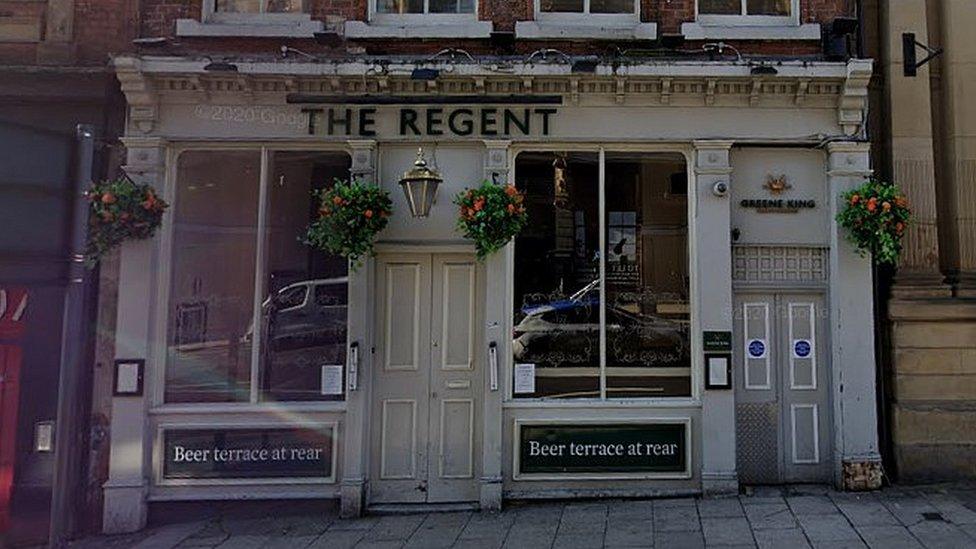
298, 352
622, 334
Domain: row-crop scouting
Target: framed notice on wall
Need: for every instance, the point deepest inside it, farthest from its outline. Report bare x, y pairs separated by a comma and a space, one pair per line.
188, 454
610, 449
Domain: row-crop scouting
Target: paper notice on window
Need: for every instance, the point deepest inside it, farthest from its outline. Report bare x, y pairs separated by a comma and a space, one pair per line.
524, 378
128, 378
332, 379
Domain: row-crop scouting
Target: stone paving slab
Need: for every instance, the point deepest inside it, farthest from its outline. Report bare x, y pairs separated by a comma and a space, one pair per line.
791, 517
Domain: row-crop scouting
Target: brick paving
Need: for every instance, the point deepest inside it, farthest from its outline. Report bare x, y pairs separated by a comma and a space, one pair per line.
794, 517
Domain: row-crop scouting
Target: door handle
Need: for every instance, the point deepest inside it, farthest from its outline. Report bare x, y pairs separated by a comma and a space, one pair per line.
493, 366
353, 377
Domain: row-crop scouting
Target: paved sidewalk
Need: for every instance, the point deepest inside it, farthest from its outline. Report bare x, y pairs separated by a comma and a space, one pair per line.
790, 518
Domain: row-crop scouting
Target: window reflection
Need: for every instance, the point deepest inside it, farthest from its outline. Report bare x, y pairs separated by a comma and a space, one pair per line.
212, 289
304, 311
648, 313
557, 292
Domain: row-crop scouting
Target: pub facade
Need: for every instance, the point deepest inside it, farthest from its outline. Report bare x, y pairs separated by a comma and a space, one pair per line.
681, 315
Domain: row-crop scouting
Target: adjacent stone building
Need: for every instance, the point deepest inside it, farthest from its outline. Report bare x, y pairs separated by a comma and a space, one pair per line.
925, 143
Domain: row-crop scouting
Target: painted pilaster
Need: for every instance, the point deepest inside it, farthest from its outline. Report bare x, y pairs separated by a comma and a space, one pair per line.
58, 46
129, 459
713, 266
913, 156
496, 313
355, 447
959, 86
851, 331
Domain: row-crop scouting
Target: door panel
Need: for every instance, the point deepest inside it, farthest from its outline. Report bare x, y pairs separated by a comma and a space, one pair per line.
426, 446
783, 421
456, 381
400, 400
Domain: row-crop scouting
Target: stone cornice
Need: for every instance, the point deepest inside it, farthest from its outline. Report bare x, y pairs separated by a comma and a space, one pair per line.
147, 80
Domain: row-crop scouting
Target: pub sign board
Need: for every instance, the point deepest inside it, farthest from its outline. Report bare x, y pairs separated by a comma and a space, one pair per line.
249, 453
603, 449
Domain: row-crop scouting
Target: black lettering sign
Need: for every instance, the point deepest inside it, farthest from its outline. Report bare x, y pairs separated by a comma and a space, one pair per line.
433, 121
603, 448
777, 205
247, 453
408, 119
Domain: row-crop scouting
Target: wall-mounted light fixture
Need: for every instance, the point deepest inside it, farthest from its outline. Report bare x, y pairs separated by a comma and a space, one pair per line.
420, 186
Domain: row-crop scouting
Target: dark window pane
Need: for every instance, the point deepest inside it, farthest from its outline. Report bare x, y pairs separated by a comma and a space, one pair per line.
304, 310
557, 292
561, 6
720, 7
400, 6
451, 6
611, 6
768, 7
212, 289
648, 310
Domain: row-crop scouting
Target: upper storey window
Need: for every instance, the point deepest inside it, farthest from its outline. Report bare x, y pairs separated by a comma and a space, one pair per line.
406, 7
752, 12
627, 7
258, 6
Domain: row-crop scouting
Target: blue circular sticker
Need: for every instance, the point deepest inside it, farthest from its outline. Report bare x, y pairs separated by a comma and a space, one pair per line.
801, 348
757, 348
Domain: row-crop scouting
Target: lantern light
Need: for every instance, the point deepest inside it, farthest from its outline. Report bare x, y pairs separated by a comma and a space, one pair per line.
420, 186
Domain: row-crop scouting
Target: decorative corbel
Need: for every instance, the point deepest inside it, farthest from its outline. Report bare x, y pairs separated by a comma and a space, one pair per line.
801, 91
755, 92
710, 86
854, 97
139, 93
666, 90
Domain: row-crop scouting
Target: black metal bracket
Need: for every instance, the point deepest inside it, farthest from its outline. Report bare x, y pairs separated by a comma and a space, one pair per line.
910, 56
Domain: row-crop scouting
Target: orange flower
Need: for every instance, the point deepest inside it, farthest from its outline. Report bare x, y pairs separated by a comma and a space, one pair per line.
368, 214
886, 206
511, 208
855, 199
337, 200
899, 227
149, 203
108, 198
479, 204
510, 190
323, 211
901, 202
872, 206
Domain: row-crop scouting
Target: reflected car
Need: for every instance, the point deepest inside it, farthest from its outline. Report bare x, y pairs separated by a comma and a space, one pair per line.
309, 313
567, 332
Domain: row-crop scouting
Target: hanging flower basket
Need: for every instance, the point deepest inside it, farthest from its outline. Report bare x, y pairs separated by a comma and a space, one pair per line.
351, 213
120, 210
491, 215
876, 215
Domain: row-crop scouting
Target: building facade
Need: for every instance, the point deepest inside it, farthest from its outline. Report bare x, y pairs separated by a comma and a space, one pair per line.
925, 144
60, 114
682, 314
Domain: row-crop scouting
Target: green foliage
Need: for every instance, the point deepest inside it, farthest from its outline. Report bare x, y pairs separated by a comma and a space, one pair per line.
351, 213
120, 210
491, 215
876, 216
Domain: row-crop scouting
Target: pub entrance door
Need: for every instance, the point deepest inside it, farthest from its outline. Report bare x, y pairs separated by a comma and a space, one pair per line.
782, 388
428, 380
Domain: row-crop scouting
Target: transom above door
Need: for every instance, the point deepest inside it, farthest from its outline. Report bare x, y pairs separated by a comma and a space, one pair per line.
428, 379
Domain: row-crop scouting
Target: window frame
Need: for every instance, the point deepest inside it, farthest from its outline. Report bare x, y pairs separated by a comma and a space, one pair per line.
161, 319
744, 19
426, 18
585, 17
696, 363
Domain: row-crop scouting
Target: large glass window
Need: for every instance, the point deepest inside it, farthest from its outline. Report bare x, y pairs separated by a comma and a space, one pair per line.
746, 7
625, 334
224, 254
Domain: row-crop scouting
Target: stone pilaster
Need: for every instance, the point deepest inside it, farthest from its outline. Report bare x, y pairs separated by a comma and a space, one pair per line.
913, 157
959, 87
713, 250
129, 463
851, 329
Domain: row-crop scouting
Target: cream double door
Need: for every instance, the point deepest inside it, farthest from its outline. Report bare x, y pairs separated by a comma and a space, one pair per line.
428, 379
